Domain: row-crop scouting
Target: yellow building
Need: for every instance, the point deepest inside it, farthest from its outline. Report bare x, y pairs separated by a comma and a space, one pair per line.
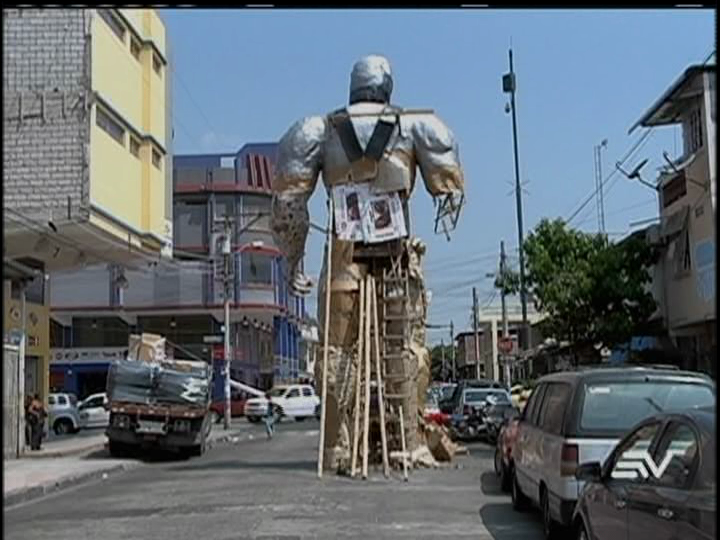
87, 167
87, 173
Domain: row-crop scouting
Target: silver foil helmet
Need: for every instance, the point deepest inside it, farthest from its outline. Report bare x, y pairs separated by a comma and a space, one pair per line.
371, 80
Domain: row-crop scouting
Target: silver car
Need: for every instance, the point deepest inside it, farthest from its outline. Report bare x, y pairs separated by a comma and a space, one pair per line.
63, 415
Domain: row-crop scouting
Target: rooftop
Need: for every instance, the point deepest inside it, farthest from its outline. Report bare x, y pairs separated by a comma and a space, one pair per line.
672, 103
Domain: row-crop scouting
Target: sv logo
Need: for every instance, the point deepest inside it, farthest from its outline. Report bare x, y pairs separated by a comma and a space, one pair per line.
636, 463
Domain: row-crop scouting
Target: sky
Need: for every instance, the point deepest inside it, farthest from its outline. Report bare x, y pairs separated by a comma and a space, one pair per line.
582, 76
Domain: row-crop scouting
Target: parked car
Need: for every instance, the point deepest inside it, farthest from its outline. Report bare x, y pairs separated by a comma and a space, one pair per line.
298, 401
432, 413
450, 404
63, 415
237, 406
504, 452
679, 502
579, 416
94, 411
496, 416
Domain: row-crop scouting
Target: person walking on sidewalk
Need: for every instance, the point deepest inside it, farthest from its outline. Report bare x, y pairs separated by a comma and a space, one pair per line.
36, 416
28, 420
269, 417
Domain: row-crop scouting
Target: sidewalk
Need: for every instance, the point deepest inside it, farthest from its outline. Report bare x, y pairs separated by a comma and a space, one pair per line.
70, 462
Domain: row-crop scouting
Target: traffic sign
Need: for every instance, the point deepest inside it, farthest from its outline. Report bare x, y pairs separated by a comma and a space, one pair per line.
505, 345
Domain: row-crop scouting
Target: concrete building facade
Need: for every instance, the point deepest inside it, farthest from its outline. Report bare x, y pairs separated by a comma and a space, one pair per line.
684, 278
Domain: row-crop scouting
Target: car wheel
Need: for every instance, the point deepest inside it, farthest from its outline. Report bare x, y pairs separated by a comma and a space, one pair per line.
582, 533
551, 528
498, 461
506, 478
253, 419
299, 418
63, 427
519, 501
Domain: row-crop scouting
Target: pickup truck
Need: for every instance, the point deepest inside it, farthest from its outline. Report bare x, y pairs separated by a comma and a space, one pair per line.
163, 404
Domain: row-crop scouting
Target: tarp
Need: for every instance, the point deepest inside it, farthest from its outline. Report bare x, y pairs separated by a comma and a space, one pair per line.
246, 388
169, 382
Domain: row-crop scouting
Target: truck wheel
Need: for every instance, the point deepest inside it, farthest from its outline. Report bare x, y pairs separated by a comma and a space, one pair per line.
63, 426
117, 449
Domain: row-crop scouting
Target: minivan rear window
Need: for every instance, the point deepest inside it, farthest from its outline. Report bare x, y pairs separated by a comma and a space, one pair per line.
615, 407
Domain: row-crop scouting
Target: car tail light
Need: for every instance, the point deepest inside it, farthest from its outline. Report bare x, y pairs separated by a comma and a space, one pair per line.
568, 459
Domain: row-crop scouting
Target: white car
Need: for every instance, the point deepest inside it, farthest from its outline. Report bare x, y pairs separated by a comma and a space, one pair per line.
94, 412
298, 401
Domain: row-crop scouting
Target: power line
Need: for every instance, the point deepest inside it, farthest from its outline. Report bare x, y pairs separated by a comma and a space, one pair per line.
638, 144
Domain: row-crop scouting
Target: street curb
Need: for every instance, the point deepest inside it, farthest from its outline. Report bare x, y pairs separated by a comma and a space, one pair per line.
28, 494
24, 495
67, 453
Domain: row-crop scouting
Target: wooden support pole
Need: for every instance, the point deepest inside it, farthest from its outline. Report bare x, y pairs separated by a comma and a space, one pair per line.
404, 447
379, 377
326, 339
358, 378
366, 350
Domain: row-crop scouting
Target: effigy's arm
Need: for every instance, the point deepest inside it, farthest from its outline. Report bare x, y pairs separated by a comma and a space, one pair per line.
438, 157
296, 174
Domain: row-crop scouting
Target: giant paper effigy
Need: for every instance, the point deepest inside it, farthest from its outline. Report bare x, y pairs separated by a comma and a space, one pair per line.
367, 155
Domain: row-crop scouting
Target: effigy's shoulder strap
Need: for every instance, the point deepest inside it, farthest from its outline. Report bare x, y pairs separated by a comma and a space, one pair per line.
342, 123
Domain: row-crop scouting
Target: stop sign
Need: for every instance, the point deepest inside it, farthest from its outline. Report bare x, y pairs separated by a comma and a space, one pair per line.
505, 345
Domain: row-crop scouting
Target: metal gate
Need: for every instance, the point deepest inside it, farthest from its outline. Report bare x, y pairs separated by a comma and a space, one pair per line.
13, 397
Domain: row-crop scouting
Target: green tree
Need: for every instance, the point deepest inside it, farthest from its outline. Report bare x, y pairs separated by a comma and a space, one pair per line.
436, 364
594, 293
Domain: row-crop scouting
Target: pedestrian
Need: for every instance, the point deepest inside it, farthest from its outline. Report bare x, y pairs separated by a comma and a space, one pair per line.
269, 417
28, 420
38, 415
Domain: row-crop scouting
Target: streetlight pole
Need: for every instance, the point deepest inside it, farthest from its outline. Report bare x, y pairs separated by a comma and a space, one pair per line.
475, 331
452, 349
509, 86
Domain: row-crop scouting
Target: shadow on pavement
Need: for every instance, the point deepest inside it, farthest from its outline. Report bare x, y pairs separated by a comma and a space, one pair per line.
238, 464
490, 484
504, 523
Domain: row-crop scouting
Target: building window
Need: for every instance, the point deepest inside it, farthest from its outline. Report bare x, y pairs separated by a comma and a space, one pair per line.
110, 126
135, 147
694, 132
256, 212
256, 268
113, 22
135, 47
190, 224
157, 65
156, 159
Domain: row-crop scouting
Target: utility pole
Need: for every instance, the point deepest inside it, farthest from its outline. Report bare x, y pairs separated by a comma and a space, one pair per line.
227, 288
599, 185
442, 355
505, 330
509, 86
475, 331
452, 349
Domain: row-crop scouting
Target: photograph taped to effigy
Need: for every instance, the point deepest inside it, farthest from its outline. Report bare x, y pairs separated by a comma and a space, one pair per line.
362, 215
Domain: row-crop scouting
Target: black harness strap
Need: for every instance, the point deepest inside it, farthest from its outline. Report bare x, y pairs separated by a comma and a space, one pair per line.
348, 138
379, 140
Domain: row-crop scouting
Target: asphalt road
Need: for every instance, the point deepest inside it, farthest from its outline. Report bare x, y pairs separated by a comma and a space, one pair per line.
260, 489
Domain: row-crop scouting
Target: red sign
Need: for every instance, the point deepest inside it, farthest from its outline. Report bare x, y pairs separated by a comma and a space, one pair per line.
218, 352
505, 345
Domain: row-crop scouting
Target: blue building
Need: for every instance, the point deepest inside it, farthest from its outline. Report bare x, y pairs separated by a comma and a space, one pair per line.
183, 299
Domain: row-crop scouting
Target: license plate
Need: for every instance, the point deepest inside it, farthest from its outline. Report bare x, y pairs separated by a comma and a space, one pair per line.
145, 426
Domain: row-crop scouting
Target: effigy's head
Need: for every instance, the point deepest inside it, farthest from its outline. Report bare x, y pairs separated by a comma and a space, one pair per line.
371, 80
